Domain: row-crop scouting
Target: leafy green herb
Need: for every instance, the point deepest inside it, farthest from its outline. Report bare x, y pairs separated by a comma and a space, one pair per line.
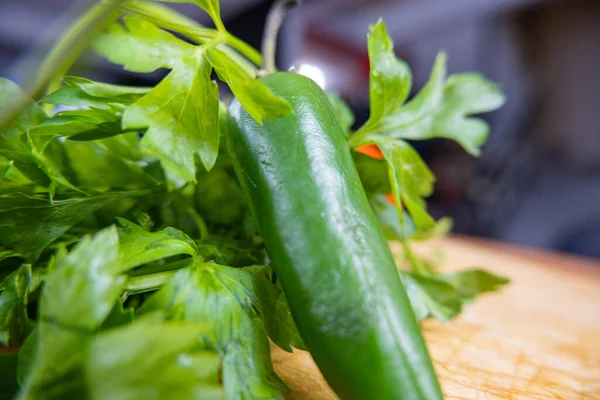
443, 296
28, 224
389, 221
100, 166
14, 320
443, 108
411, 180
390, 78
210, 6
255, 97
99, 109
143, 47
81, 92
80, 125
140, 247
182, 115
37, 158
238, 300
73, 359
67, 320
473, 282
177, 130
373, 174
181, 112
12, 178
169, 370
431, 297
219, 197
281, 327
119, 316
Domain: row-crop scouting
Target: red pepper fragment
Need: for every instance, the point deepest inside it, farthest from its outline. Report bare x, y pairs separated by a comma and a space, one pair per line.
373, 151
370, 150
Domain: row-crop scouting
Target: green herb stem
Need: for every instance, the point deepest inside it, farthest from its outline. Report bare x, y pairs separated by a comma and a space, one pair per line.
357, 138
272, 26
75, 40
169, 19
244, 48
62, 56
415, 262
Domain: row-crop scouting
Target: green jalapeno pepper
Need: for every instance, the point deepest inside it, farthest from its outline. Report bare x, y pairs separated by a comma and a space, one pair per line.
326, 247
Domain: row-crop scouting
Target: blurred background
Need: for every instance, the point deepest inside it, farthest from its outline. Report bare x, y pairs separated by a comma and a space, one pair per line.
537, 181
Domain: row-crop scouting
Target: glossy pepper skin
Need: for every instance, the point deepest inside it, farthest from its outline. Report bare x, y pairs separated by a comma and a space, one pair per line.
327, 249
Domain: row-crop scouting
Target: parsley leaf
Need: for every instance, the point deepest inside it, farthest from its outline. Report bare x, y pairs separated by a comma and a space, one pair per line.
12, 178
14, 321
390, 78
443, 296
387, 216
119, 93
472, 282
108, 164
279, 323
81, 92
139, 246
28, 224
38, 158
211, 7
142, 47
74, 358
177, 129
465, 95
238, 300
373, 174
66, 318
99, 277
181, 114
219, 197
411, 180
443, 108
254, 96
100, 107
281, 327
168, 371
431, 297
118, 316
90, 124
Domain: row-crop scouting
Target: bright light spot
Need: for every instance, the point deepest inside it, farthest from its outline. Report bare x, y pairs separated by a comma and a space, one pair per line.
184, 360
314, 73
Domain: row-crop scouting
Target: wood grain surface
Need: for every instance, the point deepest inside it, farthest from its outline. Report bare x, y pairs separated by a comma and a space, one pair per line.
539, 338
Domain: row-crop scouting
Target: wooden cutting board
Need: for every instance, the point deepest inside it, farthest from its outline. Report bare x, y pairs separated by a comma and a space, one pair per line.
539, 338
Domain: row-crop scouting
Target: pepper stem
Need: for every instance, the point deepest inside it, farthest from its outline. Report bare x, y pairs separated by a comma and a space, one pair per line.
272, 26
